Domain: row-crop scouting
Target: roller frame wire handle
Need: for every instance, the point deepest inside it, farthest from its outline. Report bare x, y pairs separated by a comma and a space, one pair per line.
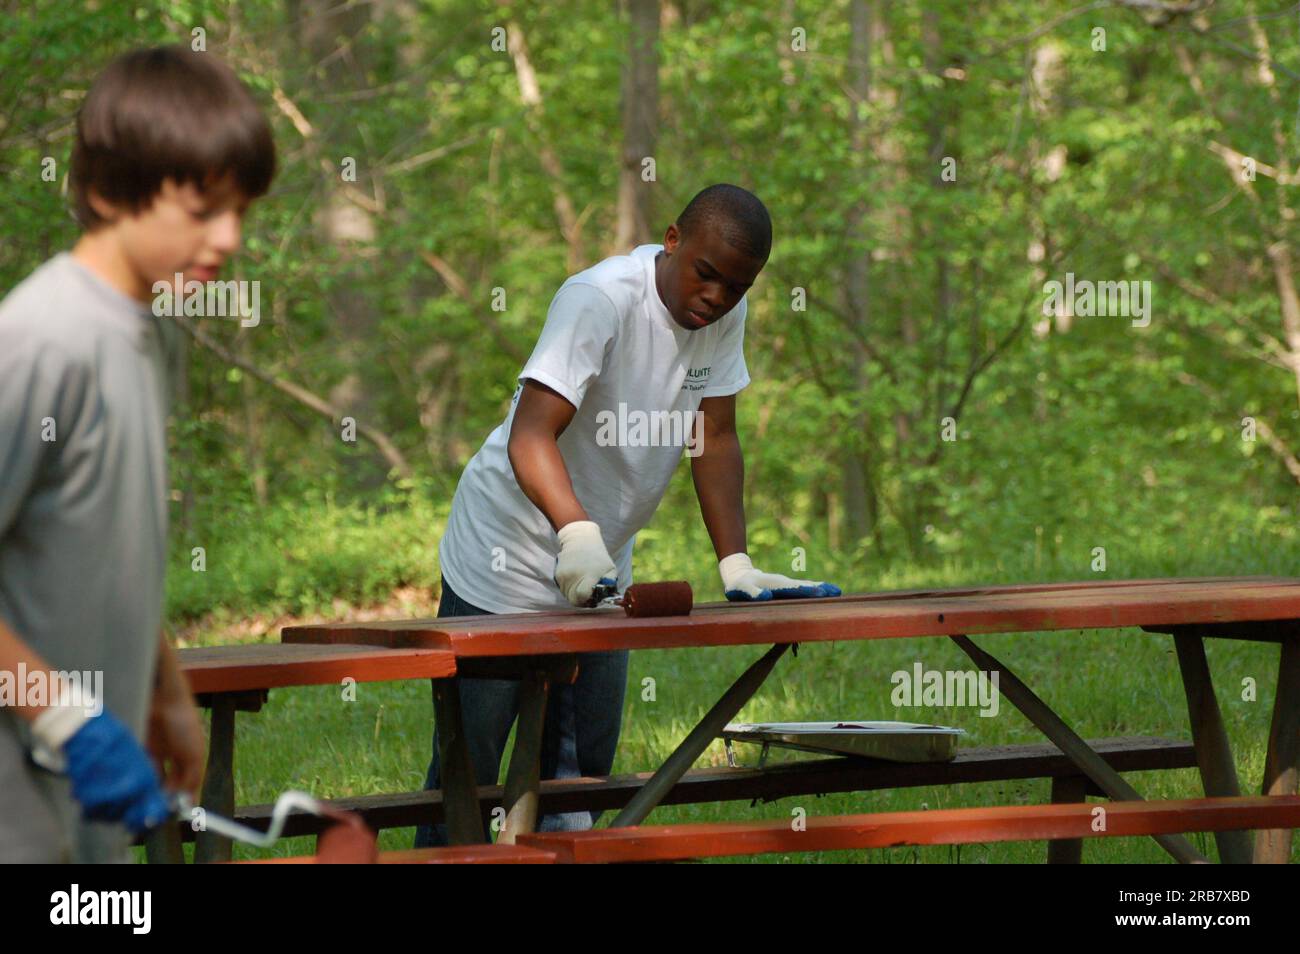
284, 807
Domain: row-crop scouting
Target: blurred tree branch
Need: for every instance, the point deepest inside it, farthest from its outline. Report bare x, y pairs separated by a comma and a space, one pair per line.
383, 443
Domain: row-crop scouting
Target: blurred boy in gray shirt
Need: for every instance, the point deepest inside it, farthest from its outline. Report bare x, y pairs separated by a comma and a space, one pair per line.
170, 150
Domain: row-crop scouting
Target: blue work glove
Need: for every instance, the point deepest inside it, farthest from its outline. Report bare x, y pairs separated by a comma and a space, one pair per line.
742, 583
113, 779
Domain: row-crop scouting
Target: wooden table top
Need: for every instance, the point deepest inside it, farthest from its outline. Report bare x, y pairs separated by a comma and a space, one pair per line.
238, 668
903, 613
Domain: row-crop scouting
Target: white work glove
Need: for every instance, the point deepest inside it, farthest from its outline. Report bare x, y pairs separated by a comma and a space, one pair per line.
583, 562
742, 583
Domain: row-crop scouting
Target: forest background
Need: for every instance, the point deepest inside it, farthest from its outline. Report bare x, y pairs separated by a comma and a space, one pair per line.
923, 411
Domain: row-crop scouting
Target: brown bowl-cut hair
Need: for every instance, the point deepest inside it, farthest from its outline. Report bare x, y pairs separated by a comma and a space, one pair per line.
167, 113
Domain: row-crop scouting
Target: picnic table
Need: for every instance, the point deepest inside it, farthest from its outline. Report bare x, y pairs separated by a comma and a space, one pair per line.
230, 679
540, 649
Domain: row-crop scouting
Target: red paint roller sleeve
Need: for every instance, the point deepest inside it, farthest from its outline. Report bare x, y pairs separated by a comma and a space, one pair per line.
659, 599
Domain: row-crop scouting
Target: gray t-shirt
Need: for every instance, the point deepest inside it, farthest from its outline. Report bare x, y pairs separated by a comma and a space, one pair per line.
83, 483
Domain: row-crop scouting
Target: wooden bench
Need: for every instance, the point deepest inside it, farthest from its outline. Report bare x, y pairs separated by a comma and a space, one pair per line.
785, 780
943, 827
218, 671
238, 678
455, 855
469, 854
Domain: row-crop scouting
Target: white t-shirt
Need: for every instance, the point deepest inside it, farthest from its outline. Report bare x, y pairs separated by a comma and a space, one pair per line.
636, 377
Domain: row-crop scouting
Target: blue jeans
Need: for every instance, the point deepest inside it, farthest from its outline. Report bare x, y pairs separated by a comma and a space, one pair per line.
581, 732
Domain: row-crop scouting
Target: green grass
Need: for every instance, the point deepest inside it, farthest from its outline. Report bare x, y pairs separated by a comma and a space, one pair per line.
1104, 683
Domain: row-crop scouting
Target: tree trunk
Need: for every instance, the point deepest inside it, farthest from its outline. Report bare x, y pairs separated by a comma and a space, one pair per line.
857, 285
640, 126
530, 94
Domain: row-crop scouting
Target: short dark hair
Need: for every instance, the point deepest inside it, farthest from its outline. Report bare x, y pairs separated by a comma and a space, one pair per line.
167, 112
734, 212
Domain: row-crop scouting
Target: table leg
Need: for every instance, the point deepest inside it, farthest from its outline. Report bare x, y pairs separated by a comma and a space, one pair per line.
684, 756
523, 777
218, 793
1213, 752
1069, 742
1067, 789
459, 788
1282, 764
163, 846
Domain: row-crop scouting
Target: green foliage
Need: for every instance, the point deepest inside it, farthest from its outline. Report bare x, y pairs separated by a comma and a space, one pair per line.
307, 555
1069, 437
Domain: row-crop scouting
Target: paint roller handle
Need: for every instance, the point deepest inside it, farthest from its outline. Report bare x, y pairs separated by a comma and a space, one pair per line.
604, 592
288, 802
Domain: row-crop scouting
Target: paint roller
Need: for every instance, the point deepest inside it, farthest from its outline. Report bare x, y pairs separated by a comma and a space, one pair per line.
644, 600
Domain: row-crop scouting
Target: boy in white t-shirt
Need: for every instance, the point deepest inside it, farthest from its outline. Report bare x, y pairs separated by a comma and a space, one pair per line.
640, 358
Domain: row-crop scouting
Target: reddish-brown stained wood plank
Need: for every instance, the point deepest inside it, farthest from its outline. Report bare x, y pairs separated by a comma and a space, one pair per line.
497, 854
1007, 588
217, 669
382, 626
454, 855
883, 616
944, 827
294, 860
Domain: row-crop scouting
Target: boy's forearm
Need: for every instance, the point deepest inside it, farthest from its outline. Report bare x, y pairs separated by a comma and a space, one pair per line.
16, 654
719, 476
169, 681
541, 474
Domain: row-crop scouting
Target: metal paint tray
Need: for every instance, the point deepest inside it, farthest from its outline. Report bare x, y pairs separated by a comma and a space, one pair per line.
894, 741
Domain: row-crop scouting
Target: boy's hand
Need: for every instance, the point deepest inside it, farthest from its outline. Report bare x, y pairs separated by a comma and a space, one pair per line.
742, 583
583, 562
176, 742
112, 777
